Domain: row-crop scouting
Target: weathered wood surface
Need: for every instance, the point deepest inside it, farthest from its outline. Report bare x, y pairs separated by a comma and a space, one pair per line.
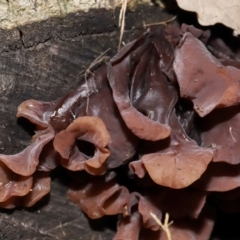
44, 61
15, 13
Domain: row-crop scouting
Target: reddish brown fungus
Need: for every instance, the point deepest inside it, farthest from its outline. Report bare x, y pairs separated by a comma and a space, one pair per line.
99, 198
197, 81
91, 129
219, 177
219, 130
37, 188
138, 54
166, 198
12, 184
25, 162
129, 227
132, 146
187, 228
180, 163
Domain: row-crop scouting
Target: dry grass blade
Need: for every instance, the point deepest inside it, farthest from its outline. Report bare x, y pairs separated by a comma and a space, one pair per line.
101, 58
159, 23
121, 22
165, 225
230, 131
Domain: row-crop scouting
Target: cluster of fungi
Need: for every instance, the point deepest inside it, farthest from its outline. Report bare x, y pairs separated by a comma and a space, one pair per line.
154, 131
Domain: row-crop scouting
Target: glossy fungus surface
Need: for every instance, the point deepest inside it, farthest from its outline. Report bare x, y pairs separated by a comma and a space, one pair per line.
154, 131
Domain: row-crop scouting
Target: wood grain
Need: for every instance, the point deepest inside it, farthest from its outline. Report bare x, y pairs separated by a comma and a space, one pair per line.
44, 61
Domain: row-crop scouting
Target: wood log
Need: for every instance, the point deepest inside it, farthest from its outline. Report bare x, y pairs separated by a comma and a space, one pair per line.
43, 60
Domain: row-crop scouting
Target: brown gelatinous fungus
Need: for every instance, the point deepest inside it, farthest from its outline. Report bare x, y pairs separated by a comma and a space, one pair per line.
165, 199
49, 159
25, 162
12, 184
174, 158
40, 186
138, 168
155, 202
90, 129
179, 164
219, 177
128, 114
147, 205
128, 68
219, 130
98, 198
187, 228
223, 52
94, 98
203, 36
171, 169
129, 227
197, 81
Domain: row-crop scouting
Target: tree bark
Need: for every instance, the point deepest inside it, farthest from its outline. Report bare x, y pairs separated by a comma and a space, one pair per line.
43, 61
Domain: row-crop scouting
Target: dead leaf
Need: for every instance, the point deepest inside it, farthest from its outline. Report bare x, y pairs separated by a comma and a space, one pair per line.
210, 12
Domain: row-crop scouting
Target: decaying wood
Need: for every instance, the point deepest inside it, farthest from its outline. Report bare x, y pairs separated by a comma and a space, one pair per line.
43, 61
